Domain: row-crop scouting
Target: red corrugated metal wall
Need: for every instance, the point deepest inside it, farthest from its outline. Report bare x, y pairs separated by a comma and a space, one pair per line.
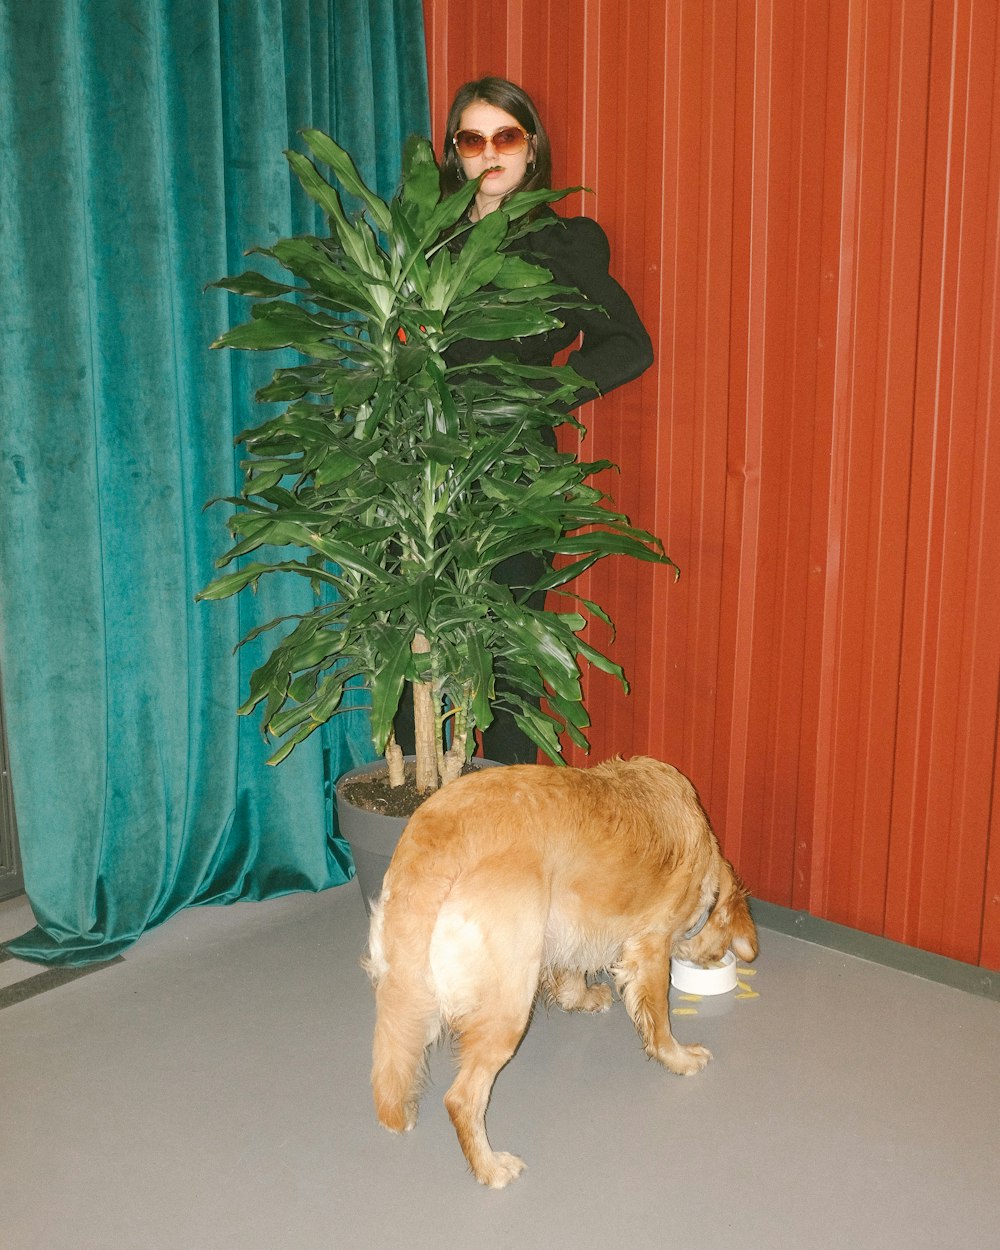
802, 199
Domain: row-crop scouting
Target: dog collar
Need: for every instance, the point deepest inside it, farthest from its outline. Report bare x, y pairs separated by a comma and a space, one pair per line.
697, 928
703, 920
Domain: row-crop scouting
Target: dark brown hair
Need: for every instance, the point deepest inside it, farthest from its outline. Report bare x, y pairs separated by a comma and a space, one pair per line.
514, 100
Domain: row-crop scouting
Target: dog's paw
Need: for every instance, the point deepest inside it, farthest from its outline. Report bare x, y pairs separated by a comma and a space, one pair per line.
685, 1060
597, 998
500, 1170
572, 993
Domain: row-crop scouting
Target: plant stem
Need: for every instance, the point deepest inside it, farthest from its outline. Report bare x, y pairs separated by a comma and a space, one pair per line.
452, 764
424, 724
394, 761
453, 760
460, 725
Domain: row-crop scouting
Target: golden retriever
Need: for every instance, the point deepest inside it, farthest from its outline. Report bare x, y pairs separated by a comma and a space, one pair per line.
510, 880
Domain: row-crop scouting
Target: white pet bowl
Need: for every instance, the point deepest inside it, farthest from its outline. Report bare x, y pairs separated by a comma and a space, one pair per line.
693, 979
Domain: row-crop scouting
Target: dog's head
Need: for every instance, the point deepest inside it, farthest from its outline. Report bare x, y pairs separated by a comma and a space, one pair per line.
728, 925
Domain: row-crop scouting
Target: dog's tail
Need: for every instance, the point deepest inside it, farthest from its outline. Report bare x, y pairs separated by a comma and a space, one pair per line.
408, 1015
405, 1024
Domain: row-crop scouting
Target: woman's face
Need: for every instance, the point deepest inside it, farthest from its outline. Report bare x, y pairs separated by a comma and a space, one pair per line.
503, 173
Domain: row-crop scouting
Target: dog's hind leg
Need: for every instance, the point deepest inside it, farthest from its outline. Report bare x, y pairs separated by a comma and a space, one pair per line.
486, 955
642, 975
406, 1021
486, 1044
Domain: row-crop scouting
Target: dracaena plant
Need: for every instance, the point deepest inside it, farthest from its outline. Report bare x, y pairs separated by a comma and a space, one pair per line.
398, 483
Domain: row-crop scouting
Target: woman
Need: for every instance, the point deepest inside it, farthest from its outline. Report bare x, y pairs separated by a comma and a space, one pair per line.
494, 131
493, 128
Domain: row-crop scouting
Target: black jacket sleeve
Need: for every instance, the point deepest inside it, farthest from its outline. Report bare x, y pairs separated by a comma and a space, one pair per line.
615, 347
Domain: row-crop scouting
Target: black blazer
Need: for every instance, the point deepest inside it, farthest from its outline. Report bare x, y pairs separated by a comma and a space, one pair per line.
615, 347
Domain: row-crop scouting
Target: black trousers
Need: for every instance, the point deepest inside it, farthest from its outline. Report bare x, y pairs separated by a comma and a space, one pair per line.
504, 741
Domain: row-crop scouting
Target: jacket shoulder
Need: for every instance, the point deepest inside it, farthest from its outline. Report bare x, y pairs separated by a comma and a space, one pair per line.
565, 236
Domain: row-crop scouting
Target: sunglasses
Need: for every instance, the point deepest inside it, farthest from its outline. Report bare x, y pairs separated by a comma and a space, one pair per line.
507, 141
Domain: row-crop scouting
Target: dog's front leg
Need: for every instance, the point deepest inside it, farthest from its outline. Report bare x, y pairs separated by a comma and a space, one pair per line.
642, 975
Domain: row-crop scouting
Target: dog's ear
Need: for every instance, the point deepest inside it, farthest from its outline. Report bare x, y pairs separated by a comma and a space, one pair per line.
743, 931
745, 945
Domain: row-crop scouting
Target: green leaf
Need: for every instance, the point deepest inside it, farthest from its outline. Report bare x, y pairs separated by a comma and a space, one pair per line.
340, 162
261, 531
387, 470
231, 583
572, 711
422, 597
387, 683
309, 643
443, 450
490, 324
421, 180
260, 478
317, 187
524, 201
594, 609
304, 686
254, 284
280, 324
319, 706
287, 747
409, 359
330, 695
606, 543
542, 729
450, 211
344, 554
479, 261
268, 680
560, 576
497, 488
517, 272
571, 717
542, 647
288, 718
355, 388
481, 665
335, 466
599, 660
347, 284
354, 237
263, 629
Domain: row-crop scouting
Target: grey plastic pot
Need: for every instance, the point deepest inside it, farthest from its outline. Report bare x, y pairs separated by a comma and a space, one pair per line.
371, 836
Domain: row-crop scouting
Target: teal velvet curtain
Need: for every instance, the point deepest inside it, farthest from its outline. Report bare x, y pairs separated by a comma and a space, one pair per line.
140, 155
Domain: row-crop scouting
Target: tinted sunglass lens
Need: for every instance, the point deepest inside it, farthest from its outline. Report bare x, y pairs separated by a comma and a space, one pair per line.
469, 143
508, 142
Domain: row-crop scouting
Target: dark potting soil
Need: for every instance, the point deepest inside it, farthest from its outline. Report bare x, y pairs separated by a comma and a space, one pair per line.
372, 792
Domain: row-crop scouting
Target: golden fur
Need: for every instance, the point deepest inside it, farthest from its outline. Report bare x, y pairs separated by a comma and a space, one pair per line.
517, 879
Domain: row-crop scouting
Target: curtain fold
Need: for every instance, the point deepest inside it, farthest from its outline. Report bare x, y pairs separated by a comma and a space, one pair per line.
140, 155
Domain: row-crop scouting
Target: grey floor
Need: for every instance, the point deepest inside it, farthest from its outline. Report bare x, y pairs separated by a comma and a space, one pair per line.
211, 1091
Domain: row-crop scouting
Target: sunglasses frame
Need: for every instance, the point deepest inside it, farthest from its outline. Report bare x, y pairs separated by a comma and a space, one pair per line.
525, 139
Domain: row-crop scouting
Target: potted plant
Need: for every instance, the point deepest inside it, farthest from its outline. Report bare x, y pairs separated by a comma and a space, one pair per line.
398, 484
